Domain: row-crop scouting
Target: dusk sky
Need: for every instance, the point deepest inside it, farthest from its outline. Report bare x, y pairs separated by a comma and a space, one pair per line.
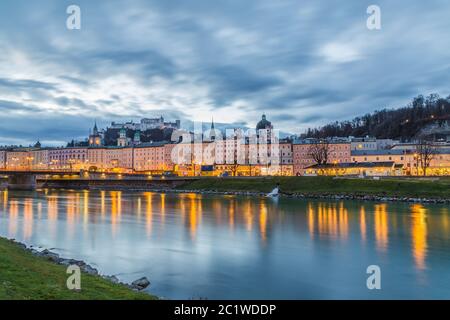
303, 63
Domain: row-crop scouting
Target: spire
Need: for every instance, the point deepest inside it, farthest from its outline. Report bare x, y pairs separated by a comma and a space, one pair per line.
212, 123
95, 127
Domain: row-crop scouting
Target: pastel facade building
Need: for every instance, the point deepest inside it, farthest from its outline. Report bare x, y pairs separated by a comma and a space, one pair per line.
96, 158
408, 159
18, 160
3, 159
40, 158
363, 143
68, 158
286, 158
338, 152
120, 159
367, 169
149, 157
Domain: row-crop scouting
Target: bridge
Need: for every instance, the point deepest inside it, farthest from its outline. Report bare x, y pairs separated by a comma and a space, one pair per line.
27, 179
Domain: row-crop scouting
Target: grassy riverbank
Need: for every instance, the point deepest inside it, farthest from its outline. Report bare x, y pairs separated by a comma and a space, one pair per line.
25, 276
416, 187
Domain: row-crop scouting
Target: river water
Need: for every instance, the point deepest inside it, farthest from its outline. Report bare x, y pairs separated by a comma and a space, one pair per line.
227, 247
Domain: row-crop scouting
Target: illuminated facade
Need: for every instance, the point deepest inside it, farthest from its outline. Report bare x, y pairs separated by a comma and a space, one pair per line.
408, 158
18, 160
388, 168
118, 159
40, 159
240, 153
149, 157
68, 158
2, 159
95, 139
338, 152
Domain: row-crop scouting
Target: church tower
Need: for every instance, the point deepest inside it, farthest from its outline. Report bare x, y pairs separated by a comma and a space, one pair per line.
122, 140
95, 140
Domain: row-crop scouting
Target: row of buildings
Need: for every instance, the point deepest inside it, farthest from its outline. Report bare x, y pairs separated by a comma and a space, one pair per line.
239, 156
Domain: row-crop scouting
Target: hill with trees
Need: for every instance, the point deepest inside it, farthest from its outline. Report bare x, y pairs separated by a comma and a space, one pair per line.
404, 123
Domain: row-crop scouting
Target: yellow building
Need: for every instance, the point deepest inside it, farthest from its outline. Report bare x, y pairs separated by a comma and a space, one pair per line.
387, 168
409, 159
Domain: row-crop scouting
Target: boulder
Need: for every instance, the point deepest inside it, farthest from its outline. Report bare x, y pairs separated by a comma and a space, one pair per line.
141, 283
50, 255
89, 270
113, 279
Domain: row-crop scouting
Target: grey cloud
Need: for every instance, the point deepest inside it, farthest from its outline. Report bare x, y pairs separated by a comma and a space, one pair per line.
11, 106
24, 84
265, 54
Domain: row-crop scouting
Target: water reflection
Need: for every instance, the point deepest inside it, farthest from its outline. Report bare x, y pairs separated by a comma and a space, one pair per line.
331, 220
381, 227
419, 235
237, 228
149, 213
362, 217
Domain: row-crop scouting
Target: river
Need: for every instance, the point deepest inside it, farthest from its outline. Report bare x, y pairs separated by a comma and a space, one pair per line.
194, 246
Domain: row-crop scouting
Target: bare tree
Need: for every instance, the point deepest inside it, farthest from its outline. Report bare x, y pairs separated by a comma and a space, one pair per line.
319, 151
425, 152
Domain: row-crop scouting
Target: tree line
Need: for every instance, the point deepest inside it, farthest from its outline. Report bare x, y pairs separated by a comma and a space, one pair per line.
404, 123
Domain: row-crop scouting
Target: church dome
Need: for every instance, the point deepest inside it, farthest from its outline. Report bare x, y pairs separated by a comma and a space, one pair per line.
264, 123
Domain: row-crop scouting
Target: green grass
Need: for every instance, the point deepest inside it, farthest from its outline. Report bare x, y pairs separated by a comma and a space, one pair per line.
24, 276
328, 185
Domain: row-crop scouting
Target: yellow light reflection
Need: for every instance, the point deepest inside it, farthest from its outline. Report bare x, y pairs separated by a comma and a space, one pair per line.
193, 217
263, 220
114, 212
381, 227
119, 203
5, 199
52, 213
231, 213
139, 208
343, 221
163, 208
330, 222
248, 215
362, 223
419, 235
85, 207
71, 209
149, 213
102, 203
311, 220
39, 210
13, 213
28, 219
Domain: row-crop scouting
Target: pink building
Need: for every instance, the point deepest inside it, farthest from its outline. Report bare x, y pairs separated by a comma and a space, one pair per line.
338, 152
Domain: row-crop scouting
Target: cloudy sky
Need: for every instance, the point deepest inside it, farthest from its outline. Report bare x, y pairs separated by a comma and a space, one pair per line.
303, 63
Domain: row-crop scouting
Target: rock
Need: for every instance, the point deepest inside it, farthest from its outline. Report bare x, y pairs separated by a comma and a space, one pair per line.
50, 255
23, 246
113, 279
141, 283
89, 270
65, 262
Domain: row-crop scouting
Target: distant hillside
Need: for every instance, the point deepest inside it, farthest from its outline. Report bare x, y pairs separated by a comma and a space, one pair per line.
404, 123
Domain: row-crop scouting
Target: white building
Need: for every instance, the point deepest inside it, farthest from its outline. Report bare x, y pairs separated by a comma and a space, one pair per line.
146, 124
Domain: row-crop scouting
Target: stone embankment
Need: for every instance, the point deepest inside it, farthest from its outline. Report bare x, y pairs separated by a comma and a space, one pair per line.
137, 285
329, 196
